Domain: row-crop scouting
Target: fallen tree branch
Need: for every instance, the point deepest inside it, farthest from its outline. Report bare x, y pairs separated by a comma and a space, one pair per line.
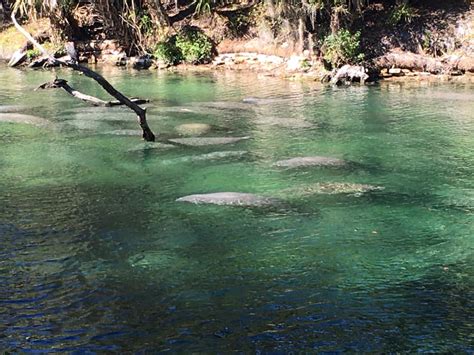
62, 84
133, 99
140, 112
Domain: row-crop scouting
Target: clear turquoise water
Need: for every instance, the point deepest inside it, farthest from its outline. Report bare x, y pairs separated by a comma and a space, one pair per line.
96, 255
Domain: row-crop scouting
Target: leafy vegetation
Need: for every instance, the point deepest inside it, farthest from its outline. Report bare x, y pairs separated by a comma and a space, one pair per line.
401, 13
32, 53
191, 45
342, 47
194, 45
167, 51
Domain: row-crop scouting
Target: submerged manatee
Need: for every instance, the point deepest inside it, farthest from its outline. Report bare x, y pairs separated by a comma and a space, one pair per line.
265, 101
154, 259
24, 119
222, 105
310, 161
84, 124
13, 108
151, 145
193, 129
261, 101
287, 122
331, 188
230, 199
125, 132
171, 109
209, 156
250, 100
198, 141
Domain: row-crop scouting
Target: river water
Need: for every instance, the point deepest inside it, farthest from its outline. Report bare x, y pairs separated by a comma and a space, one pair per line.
97, 255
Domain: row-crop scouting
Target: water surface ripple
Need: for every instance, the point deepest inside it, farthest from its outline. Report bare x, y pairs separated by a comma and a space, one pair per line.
97, 256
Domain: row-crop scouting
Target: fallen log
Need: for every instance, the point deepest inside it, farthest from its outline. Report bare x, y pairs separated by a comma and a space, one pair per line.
417, 62
140, 112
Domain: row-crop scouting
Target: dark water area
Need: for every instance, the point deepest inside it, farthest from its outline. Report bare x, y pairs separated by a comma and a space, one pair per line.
96, 254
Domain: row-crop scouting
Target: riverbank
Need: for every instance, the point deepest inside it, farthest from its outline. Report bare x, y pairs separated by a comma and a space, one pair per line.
434, 44
296, 67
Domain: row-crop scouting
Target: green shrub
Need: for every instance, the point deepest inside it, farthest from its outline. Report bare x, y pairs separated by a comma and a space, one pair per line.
194, 45
32, 53
402, 13
168, 52
342, 48
191, 45
145, 23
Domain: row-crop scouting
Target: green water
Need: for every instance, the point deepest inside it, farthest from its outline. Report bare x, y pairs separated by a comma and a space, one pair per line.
96, 255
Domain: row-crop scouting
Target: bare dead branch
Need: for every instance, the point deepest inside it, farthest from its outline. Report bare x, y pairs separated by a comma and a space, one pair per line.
140, 112
63, 84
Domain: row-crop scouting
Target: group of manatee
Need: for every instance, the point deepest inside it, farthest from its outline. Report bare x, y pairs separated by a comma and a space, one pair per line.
226, 198
252, 200
244, 199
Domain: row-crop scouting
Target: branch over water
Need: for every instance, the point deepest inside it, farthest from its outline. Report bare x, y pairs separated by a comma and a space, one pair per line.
124, 100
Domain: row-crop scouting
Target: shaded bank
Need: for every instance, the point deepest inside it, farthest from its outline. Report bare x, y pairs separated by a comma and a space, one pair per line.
389, 38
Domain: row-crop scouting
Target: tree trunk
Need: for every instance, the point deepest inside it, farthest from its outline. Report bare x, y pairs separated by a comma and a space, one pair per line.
311, 44
300, 35
335, 21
